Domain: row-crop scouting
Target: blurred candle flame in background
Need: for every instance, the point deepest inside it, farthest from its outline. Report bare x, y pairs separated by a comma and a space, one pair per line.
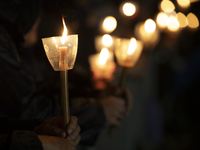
132, 46
149, 26
192, 1
107, 40
103, 56
162, 20
173, 24
147, 33
182, 19
167, 6
184, 3
193, 21
109, 24
129, 9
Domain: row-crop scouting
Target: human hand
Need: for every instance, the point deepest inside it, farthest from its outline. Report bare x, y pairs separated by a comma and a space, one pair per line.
114, 109
56, 143
54, 127
126, 95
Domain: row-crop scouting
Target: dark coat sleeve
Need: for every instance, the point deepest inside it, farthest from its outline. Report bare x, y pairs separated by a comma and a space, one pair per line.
9, 124
20, 133
23, 140
20, 96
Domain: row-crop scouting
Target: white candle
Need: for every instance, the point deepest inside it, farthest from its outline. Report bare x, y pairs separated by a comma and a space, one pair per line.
63, 64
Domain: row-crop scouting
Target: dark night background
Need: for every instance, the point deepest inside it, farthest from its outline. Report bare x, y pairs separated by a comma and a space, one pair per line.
165, 83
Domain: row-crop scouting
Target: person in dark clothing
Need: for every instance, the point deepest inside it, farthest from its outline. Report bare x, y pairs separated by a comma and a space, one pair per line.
29, 90
38, 134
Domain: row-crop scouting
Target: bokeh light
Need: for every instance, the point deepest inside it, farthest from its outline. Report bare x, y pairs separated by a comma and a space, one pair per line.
129, 9
149, 40
173, 24
182, 19
192, 1
149, 26
107, 40
184, 3
193, 21
167, 6
132, 46
109, 24
103, 56
162, 19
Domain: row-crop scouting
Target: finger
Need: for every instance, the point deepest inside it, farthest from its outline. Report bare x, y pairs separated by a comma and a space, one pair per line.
72, 125
55, 131
77, 140
48, 129
74, 134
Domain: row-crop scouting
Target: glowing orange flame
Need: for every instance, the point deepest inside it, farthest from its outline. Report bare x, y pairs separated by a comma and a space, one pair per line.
64, 36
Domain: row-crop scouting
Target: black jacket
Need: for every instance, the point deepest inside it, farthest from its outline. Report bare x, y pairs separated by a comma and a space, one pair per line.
29, 89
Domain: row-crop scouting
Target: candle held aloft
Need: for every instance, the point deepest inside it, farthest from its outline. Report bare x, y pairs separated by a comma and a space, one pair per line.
61, 53
128, 51
102, 63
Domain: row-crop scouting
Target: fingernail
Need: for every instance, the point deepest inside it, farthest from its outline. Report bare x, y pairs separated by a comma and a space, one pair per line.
70, 131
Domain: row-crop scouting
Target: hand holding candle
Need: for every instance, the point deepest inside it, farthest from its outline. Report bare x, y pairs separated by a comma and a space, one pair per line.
61, 53
127, 53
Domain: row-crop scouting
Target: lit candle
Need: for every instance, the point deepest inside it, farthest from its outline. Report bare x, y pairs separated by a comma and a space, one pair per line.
148, 33
63, 65
61, 53
130, 52
102, 66
127, 51
100, 63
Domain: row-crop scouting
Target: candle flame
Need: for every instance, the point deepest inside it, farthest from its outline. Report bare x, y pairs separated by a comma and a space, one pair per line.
173, 24
193, 21
132, 46
107, 40
167, 6
64, 36
109, 24
129, 9
103, 56
149, 26
162, 19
